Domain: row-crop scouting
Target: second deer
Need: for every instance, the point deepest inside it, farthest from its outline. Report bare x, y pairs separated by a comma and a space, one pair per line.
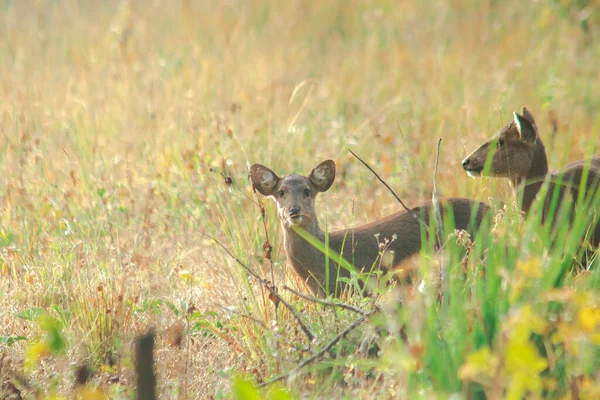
295, 197
517, 152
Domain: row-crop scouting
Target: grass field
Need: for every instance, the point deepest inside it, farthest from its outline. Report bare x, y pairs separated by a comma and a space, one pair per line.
126, 133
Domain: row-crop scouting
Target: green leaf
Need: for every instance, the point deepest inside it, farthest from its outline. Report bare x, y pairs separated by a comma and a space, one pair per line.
10, 340
52, 327
31, 314
279, 393
329, 253
244, 390
6, 238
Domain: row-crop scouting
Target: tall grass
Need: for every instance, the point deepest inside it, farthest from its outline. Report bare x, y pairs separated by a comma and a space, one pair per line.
127, 129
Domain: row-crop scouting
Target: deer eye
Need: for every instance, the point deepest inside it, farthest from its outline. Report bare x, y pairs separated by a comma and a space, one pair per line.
500, 142
306, 192
281, 193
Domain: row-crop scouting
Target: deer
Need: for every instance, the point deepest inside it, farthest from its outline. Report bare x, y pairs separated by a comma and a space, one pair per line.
517, 152
295, 196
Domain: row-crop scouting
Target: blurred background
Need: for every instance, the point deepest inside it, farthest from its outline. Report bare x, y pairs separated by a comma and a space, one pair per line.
127, 129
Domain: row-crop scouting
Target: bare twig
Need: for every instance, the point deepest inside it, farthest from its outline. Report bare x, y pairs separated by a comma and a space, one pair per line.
414, 214
267, 247
66, 154
304, 102
439, 223
326, 302
377, 113
267, 244
557, 180
264, 284
247, 316
407, 154
400, 129
435, 199
324, 350
245, 195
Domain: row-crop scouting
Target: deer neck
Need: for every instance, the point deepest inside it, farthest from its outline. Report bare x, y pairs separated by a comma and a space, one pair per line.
531, 183
294, 242
307, 261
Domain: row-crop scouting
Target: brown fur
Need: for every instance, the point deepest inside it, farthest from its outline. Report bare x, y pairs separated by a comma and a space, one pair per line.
295, 197
517, 152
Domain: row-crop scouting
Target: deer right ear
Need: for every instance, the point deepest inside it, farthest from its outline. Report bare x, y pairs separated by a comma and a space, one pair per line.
527, 130
322, 175
263, 179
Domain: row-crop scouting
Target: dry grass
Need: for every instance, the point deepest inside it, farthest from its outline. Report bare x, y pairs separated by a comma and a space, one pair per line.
120, 120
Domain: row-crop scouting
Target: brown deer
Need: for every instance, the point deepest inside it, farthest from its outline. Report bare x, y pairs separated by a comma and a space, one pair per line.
295, 197
517, 152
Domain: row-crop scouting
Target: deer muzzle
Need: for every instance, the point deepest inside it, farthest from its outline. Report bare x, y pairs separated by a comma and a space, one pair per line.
472, 167
294, 215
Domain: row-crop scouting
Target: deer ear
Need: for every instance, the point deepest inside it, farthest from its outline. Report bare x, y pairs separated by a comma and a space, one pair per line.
263, 179
527, 115
322, 175
527, 130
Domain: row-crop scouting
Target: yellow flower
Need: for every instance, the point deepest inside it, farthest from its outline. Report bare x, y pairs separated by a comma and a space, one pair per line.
517, 288
479, 364
524, 322
531, 268
522, 362
588, 318
524, 273
566, 334
87, 393
523, 366
589, 389
34, 352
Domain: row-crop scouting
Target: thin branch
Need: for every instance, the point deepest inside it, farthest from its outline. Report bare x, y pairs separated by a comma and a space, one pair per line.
267, 247
267, 242
407, 155
439, 225
414, 214
400, 129
435, 199
66, 154
321, 352
247, 316
326, 302
557, 180
304, 102
377, 112
264, 284
244, 194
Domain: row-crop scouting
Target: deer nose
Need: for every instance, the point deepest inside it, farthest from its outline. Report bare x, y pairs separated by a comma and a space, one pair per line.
294, 211
465, 162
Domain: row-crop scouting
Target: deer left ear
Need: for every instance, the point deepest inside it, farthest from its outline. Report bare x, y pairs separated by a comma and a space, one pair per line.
323, 175
527, 115
527, 130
